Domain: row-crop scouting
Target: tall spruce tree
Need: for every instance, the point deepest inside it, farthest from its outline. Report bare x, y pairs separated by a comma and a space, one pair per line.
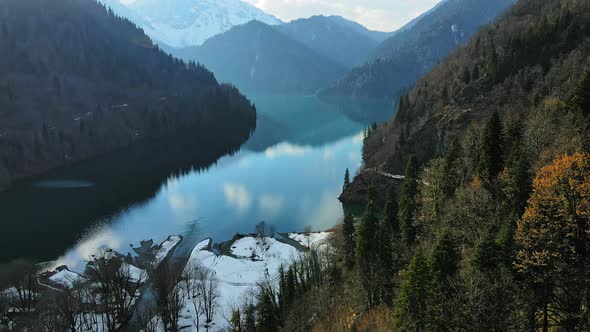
388, 251
268, 318
415, 293
408, 203
444, 265
367, 249
348, 231
582, 94
491, 159
346, 180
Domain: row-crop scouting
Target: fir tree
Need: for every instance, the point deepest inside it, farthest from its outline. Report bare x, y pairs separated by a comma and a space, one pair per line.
391, 212
388, 251
491, 160
346, 180
408, 203
414, 296
582, 94
268, 317
348, 231
367, 247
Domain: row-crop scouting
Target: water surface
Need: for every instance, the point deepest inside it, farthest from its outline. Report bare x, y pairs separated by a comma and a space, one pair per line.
288, 175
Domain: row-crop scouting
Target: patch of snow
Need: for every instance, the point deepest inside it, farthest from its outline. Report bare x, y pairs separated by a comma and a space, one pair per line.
165, 248
66, 278
311, 240
257, 260
182, 23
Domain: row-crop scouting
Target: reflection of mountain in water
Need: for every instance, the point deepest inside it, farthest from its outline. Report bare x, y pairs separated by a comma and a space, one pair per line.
43, 217
299, 136
308, 121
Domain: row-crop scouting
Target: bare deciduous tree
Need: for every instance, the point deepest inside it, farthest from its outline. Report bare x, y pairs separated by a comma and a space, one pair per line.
170, 294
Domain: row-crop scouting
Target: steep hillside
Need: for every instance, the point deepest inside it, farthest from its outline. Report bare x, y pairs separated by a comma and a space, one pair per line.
347, 42
403, 58
256, 57
77, 81
530, 59
183, 23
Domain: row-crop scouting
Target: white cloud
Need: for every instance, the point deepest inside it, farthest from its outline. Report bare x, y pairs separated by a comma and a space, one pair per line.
385, 15
284, 149
271, 205
237, 196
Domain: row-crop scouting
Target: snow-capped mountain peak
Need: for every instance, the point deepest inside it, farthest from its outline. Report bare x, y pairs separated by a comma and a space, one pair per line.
181, 23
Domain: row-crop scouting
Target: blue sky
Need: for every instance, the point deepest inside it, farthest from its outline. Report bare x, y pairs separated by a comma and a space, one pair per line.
384, 15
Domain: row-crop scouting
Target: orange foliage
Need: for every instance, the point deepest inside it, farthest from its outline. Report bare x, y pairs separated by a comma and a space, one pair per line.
379, 319
555, 228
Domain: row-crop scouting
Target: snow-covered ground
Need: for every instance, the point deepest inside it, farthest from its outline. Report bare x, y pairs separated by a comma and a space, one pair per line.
253, 260
66, 278
311, 240
165, 247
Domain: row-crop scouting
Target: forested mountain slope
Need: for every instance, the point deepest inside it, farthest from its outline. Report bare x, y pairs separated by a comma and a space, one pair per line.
346, 42
490, 228
538, 50
77, 81
403, 58
257, 57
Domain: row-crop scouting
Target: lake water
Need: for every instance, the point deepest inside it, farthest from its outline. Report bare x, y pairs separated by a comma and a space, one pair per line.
289, 175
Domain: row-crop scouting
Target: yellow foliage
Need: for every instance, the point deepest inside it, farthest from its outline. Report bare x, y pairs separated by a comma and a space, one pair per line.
555, 228
379, 319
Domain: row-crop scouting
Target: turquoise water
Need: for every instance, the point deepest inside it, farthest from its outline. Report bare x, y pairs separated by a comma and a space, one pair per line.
288, 175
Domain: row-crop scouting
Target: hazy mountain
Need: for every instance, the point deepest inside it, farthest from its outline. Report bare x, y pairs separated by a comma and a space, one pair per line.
77, 81
400, 60
259, 58
182, 23
347, 42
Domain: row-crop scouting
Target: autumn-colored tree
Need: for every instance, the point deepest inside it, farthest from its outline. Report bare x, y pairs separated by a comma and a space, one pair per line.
554, 235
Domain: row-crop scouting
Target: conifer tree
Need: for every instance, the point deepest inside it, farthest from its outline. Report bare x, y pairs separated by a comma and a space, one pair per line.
268, 317
367, 249
348, 231
582, 94
443, 264
491, 160
408, 203
414, 296
346, 180
391, 212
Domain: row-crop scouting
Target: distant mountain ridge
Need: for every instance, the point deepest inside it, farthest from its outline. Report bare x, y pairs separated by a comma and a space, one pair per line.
400, 60
258, 57
347, 42
183, 23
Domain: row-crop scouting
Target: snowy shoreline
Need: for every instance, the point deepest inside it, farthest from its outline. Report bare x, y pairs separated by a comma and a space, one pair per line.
238, 266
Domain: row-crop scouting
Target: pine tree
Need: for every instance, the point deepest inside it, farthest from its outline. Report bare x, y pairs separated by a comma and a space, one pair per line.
348, 231
388, 252
408, 203
466, 75
346, 180
268, 316
391, 212
443, 264
582, 94
367, 249
491, 160
414, 296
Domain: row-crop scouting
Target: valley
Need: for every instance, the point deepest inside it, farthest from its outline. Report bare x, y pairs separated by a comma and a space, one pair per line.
256, 166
